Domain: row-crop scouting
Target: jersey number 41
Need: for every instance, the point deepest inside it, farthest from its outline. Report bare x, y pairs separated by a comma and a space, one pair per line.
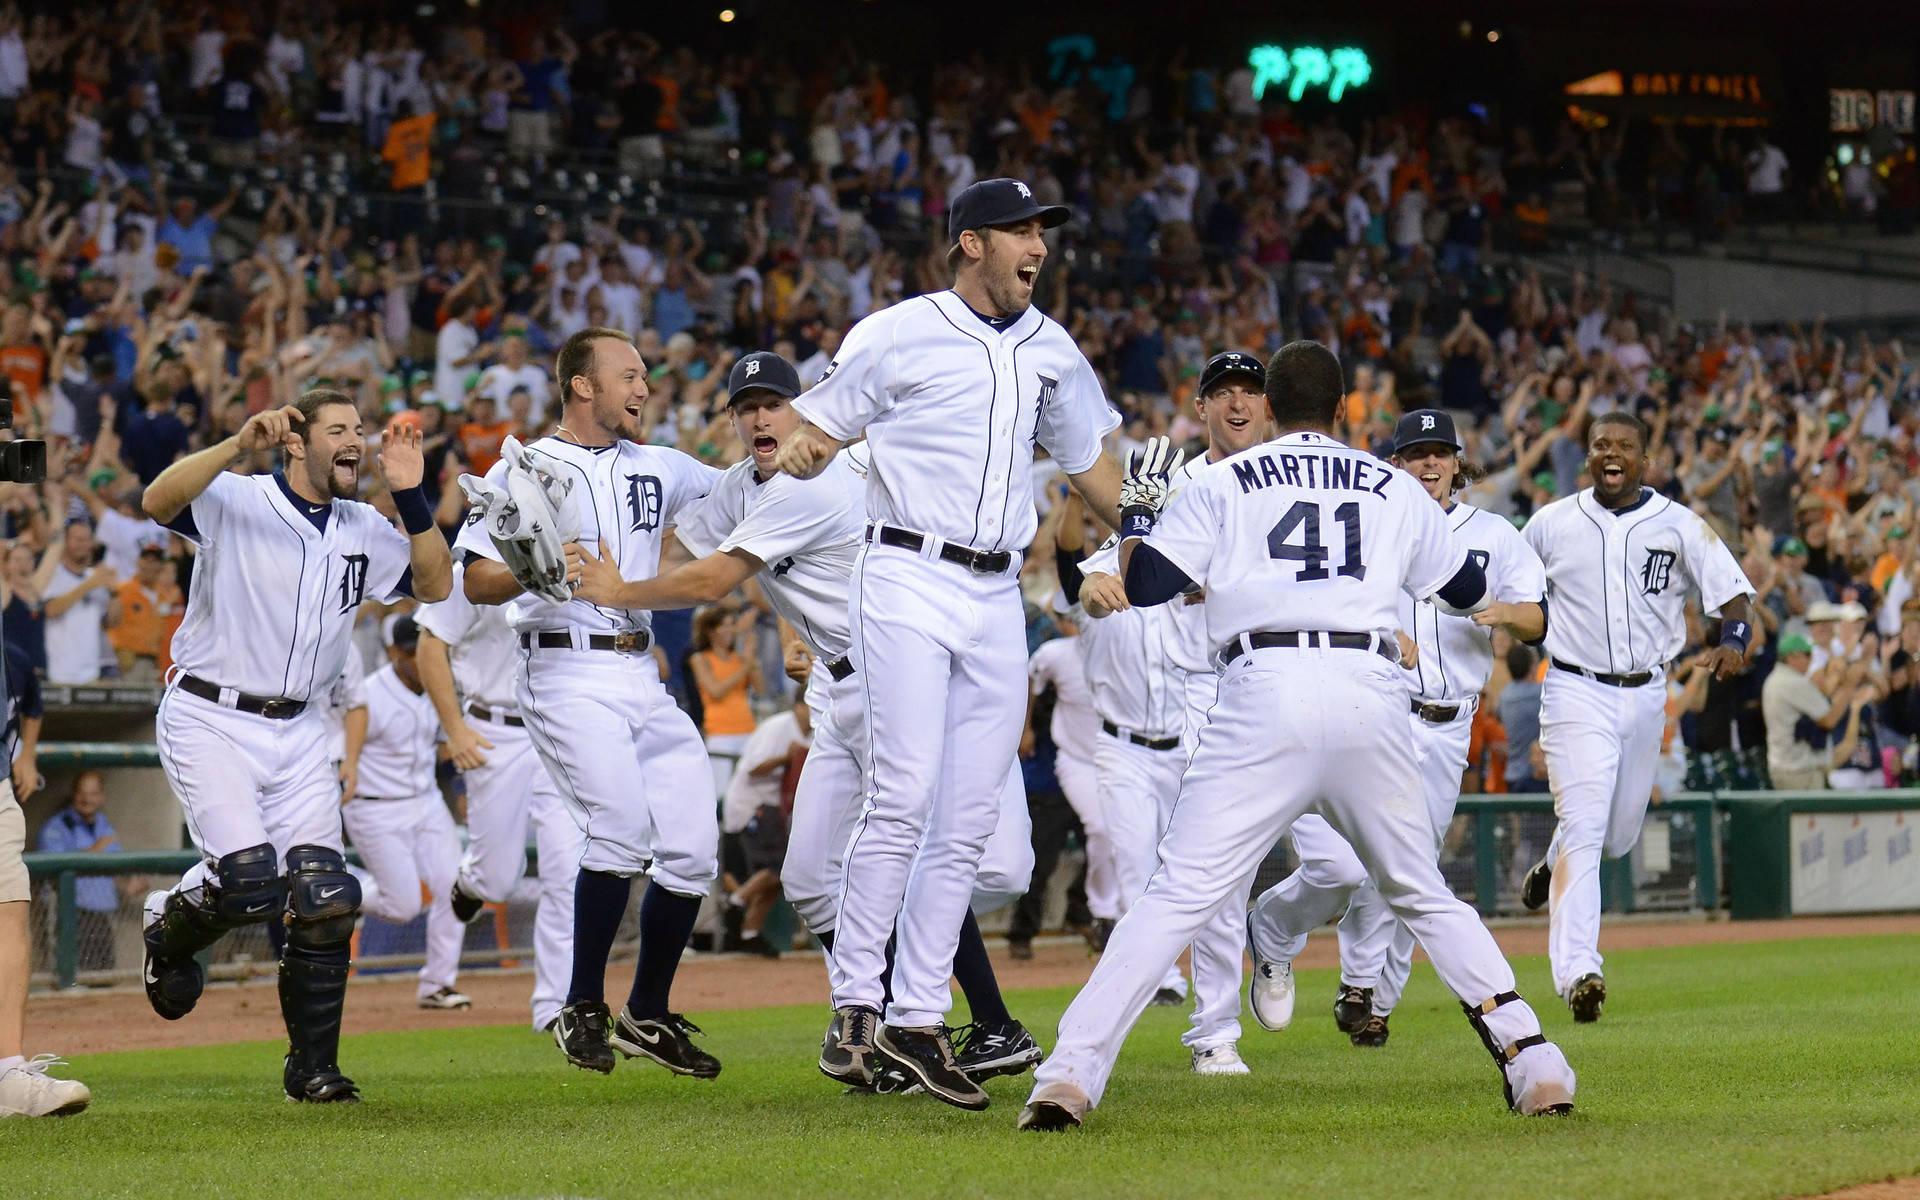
1310, 552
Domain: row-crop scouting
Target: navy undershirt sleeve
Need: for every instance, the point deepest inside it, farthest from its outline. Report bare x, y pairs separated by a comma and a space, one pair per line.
1466, 587
1066, 564
1152, 579
1543, 624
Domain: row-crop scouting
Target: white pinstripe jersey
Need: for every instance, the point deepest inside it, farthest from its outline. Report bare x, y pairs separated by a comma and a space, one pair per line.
397, 761
806, 531
952, 408
627, 495
1456, 656
274, 597
1304, 533
481, 649
1618, 582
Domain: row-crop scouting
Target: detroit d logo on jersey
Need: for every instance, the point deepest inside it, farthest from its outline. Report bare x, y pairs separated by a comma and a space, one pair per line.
353, 581
1657, 572
643, 502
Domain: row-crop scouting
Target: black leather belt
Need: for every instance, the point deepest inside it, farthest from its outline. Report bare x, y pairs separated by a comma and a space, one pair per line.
840, 667
1636, 679
1294, 639
482, 712
1139, 739
637, 641
980, 562
1435, 714
274, 708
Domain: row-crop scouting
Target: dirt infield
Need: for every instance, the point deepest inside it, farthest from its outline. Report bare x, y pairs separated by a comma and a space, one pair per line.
1886, 1189
93, 1022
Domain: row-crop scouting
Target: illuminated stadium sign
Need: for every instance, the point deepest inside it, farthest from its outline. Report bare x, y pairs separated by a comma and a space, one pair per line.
1306, 67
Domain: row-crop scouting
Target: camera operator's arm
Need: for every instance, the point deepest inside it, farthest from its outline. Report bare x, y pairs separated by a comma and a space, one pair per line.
177, 486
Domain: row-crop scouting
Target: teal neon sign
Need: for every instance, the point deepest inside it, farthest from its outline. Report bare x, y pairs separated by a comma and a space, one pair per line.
1306, 67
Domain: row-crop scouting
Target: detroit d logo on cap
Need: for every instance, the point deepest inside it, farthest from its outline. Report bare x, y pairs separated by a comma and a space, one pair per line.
1426, 422
753, 368
1025, 192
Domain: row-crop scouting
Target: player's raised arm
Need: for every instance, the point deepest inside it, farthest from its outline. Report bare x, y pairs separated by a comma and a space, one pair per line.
180, 484
403, 466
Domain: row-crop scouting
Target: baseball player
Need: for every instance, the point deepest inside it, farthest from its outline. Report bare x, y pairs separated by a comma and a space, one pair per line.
628, 760
800, 538
468, 659
1075, 727
285, 562
396, 817
1621, 560
1303, 545
952, 391
1452, 660
1232, 402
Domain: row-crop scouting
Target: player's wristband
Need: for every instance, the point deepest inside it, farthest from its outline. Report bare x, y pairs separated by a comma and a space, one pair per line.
1736, 634
416, 515
1136, 522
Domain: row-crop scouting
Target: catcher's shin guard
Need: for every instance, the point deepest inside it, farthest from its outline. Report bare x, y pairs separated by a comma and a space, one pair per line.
325, 899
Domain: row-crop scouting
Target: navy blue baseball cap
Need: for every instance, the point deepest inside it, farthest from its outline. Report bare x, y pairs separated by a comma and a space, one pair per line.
1000, 202
1425, 425
1232, 362
762, 369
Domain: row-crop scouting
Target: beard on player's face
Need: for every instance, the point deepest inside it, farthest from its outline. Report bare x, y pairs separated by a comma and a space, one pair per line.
1010, 266
333, 464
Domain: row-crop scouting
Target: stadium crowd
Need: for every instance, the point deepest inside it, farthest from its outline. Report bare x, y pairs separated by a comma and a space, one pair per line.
205, 210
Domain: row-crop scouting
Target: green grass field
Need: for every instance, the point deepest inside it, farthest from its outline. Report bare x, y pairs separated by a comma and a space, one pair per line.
1760, 1070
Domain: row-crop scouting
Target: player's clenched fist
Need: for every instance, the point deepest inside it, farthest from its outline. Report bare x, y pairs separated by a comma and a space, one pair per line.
805, 454
269, 430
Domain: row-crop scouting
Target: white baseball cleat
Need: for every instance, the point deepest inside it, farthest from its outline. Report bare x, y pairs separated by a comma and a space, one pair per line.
1542, 1081
445, 997
1270, 994
27, 1090
1219, 1060
1053, 1107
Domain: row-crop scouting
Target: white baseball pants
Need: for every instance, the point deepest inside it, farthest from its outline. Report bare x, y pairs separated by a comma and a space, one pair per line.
1080, 784
245, 780
509, 798
405, 844
1603, 746
1294, 730
941, 656
1139, 788
827, 804
1376, 950
628, 761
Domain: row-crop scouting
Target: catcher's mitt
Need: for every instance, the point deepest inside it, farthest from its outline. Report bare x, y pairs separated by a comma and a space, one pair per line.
531, 516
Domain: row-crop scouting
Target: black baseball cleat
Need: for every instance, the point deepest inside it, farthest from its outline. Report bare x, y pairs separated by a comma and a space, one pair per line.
321, 1087
1098, 933
753, 943
1166, 997
846, 1054
986, 1051
1585, 997
1372, 1035
666, 1040
465, 907
581, 1033
1020, 949
1535, 887
926, 1055
172, 988
1351, 1008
